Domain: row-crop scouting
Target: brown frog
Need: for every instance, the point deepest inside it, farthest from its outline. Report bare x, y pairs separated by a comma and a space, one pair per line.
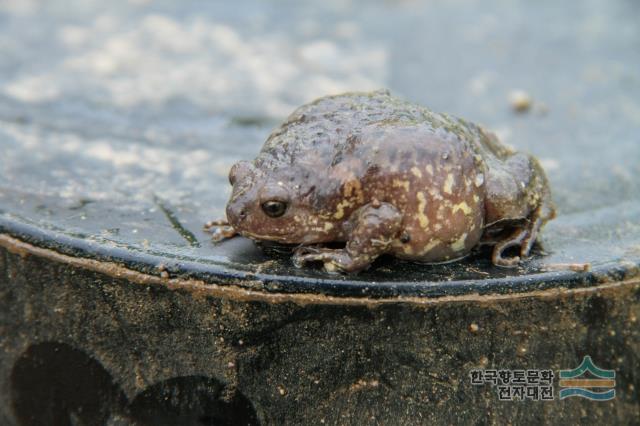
383, 175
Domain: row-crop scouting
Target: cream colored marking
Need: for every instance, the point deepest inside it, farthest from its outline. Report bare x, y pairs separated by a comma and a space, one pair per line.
339, 214
462, 206
328, 226
422, 204
426, 249
353, 187
429, 169
330, 266
475, 198
479, 179
377, 242
416, 172
401, 183
448, 184
459, 243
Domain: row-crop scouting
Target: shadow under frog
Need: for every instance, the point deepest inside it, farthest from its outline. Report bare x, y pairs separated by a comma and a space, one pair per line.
55, 384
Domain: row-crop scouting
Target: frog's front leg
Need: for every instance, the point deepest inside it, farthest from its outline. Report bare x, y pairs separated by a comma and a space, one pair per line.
220, 229
375, 226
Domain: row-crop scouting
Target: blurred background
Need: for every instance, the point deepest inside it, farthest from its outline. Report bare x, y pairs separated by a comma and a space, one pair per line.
119, 121
116, 115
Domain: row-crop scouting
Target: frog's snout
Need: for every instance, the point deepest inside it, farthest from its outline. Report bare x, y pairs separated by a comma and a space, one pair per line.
236, 213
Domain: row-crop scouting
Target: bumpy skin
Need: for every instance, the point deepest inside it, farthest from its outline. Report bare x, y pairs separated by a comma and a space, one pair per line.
387, 176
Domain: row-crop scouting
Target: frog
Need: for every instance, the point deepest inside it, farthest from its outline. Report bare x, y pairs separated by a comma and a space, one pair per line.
348, 178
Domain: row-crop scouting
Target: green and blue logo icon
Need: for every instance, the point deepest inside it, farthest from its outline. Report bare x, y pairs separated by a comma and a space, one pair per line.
575, 383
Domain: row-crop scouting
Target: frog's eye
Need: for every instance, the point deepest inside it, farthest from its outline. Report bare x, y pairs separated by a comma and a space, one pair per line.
274, 208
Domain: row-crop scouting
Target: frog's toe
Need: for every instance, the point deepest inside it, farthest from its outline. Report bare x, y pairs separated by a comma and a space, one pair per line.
518, 238
505, 262
220, 230
305, 250
334, 261
299, 260
328, 262
215, 223
224, 233
525, 247
305, 254
332, 267
530, 238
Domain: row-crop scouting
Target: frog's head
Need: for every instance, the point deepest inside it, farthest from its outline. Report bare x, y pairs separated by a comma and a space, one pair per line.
276, 205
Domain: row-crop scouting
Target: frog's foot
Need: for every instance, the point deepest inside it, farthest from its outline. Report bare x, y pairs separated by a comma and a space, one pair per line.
523, 237
515, 239
220, 230
334, 260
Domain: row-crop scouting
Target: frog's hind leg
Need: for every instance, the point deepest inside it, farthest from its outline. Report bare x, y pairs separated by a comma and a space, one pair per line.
523, 236
521, 206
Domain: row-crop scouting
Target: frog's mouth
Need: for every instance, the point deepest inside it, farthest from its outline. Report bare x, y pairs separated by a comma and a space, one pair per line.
291, 239
283, 239
288, 238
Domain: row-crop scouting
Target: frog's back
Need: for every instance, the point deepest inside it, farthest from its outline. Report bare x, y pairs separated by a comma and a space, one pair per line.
329, 128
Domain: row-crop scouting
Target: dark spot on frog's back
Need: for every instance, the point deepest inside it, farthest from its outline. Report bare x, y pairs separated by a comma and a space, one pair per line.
309, 191
351, 142
372, 169
346, 148
337, 159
